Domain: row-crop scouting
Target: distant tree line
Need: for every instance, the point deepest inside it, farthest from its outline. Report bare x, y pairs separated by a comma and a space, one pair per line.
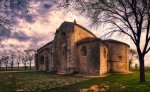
14, 59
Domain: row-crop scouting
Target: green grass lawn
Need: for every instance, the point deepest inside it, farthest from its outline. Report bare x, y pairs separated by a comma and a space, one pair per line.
112, 83
48, 82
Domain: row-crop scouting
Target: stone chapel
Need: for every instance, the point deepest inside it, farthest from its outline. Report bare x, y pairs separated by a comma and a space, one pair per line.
77, 50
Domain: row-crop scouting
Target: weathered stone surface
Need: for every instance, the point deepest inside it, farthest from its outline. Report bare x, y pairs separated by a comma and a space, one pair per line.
118, 56
103, 59
76, 49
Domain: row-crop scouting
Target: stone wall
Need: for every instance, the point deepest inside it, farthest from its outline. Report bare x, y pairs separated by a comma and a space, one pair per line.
65, 46
92, 57
78, 34
62, 47
46, 58
103, 59
118, 57
41, 61
76, 49
88, 58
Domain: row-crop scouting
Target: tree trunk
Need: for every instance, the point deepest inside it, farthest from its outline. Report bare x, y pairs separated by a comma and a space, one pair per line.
12, 65
30, 65
18, 66
25, 66
6, 67
142, 69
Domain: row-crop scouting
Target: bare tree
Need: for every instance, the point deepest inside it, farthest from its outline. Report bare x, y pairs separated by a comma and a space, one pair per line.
1, 60
136, 66
30, 56
5, 61
12, 58
129, 17
132, 56
18, 59
24, 60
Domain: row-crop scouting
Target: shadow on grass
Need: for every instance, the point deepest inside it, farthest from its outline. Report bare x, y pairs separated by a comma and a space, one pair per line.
112, 83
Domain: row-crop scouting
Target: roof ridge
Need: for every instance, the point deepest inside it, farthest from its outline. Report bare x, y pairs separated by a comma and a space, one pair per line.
113, 40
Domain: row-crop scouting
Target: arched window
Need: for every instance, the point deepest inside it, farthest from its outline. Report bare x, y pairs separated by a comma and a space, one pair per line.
64, 50
42, 60
105, 54
84, 51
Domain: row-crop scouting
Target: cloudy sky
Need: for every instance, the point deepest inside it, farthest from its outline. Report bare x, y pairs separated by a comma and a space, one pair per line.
37, 29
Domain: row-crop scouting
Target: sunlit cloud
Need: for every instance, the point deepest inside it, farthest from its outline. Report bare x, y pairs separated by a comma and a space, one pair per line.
39, 27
